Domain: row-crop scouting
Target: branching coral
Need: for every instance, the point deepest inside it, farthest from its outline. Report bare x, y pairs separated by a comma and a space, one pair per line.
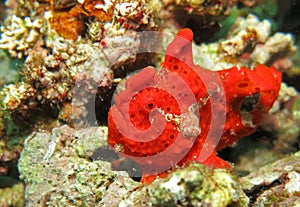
19, 35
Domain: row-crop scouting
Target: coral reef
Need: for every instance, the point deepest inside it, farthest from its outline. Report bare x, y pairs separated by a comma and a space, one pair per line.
57, 172
50, 81
60, 62
248, 42
276, 184
108, 15
244, 35
49, 78
195, 185
284, 120
19, 35
53, 64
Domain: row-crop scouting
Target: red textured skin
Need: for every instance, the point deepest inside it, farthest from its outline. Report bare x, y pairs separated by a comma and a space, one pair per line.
144, 93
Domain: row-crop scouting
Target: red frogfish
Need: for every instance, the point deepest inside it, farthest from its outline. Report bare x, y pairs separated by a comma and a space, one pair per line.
182, 113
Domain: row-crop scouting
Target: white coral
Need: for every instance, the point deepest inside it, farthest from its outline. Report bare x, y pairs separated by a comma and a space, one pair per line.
18, 34
244, 33
276, 46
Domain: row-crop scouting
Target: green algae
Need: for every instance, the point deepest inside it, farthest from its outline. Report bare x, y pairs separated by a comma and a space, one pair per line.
12, 195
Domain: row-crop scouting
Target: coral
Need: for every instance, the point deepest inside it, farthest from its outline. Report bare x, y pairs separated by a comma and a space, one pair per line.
12, 195
72, 53
121, 189
54, 64
276, 184
135, 15
284, 120
50, 76
72, 21
109, 16
275, 48
194, 185
19, 35
20, 96
286, 93
267, 9
244, 35
90, 140
248, 42
51, 81
157, 118
56, 171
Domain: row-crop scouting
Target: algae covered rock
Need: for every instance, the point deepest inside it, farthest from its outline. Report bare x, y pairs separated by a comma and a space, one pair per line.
57, 171
276, 184
195, 185
56, 175
11, 195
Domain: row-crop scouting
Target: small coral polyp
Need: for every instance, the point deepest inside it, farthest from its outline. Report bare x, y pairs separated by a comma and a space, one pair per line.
167, 117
